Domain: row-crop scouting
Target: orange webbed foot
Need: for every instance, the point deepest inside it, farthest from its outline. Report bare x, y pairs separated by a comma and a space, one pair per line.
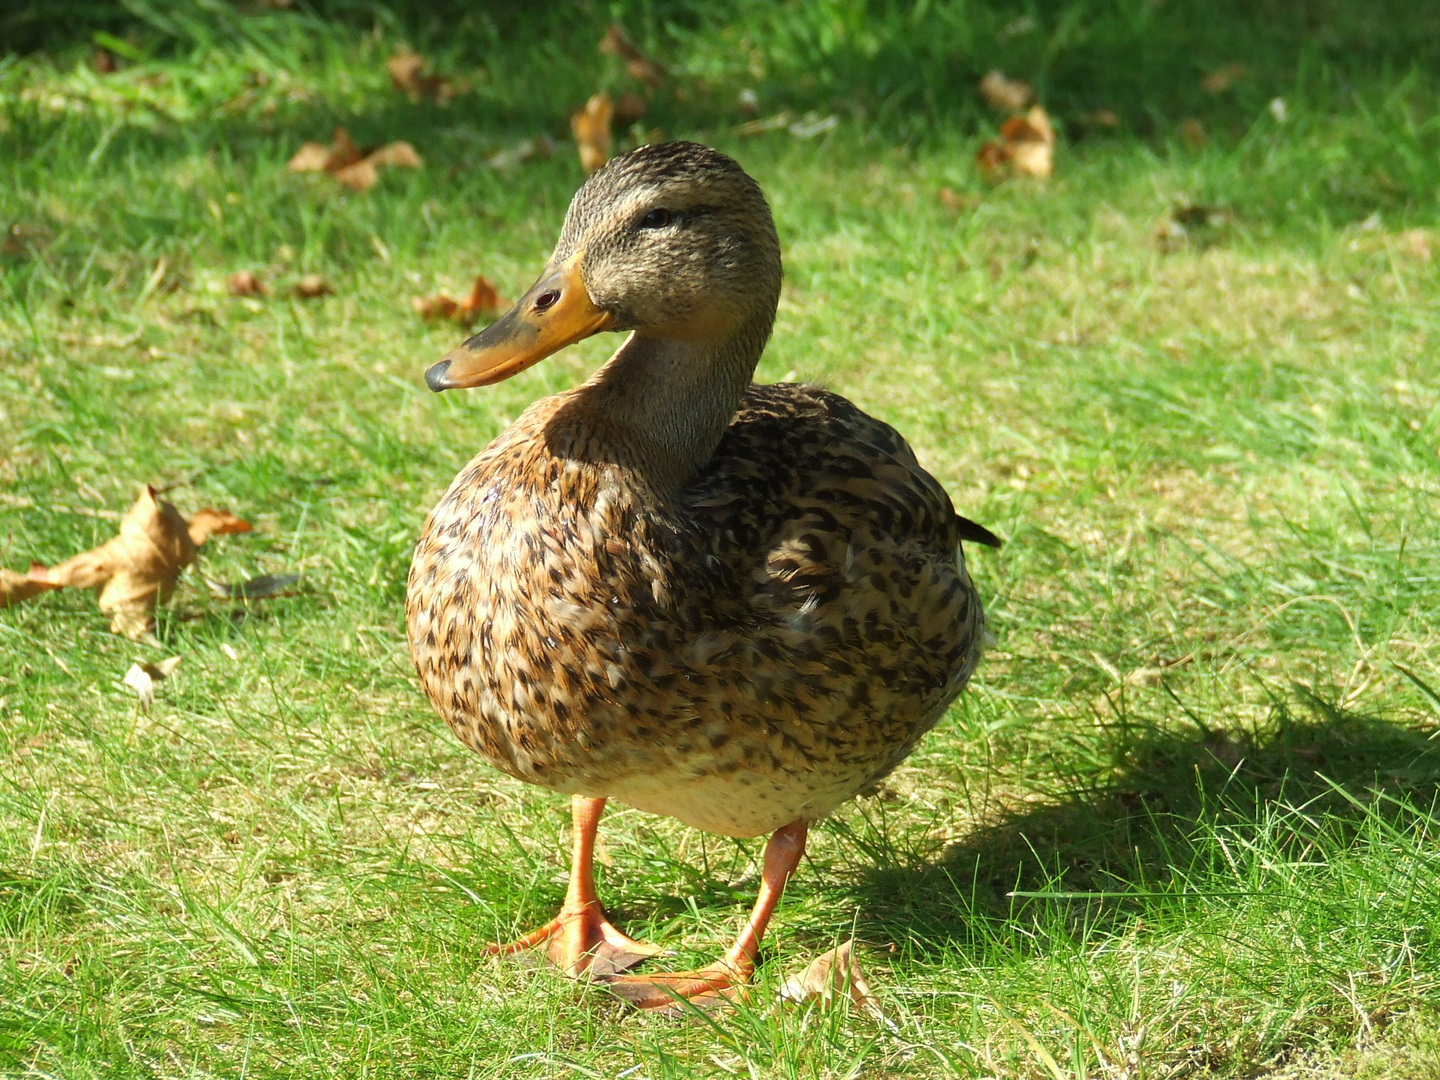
582, 942
668, 991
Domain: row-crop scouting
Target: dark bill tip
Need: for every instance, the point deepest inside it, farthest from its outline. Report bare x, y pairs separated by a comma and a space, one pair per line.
435, 376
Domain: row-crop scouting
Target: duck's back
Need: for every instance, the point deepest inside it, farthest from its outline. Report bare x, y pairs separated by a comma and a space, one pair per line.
751, 652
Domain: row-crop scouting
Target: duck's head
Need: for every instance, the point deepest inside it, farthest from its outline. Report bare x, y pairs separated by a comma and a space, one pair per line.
670, 241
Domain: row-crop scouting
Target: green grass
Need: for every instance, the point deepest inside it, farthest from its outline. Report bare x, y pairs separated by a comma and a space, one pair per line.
1184, 822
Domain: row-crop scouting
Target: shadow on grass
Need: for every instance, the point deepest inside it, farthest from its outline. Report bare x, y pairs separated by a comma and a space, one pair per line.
1148, 833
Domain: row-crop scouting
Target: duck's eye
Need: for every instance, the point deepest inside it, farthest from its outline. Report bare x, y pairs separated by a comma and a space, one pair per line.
657, 219
546, 300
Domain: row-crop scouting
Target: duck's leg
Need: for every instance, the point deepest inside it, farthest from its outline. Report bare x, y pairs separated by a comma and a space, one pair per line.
580, 940
734, 969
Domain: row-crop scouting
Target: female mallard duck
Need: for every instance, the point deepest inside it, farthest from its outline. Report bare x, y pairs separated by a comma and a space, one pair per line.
737, 605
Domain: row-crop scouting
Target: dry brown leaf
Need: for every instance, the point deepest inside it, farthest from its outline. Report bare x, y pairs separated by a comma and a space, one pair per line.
953, 200
311, 157
591, 126
137, 568
360, 176
639, 66
244, 283
143, 676
311, 286
483, 300
1026, 146
1223, 77
405, 69
17, 587
1004, 93
400, 154
830, 973
1192, 133
103, 61
629, 107
344, 160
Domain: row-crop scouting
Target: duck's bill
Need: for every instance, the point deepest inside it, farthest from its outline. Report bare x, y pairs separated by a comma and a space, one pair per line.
555, 312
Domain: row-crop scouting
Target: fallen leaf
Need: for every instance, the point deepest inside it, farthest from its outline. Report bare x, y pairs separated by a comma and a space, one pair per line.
1026, 146
830, 973
244, 283
483, 300
261, 587
1004, 93
400, 154
137, 568
103, 61
630, 107
344, 160
639, 66
311, 157
591, 126
1192, 133
405, 69
1223, 77
953, 200
311, 286
142, 677
17, 587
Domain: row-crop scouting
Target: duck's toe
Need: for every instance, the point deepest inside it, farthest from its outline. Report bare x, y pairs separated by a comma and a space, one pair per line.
582, 942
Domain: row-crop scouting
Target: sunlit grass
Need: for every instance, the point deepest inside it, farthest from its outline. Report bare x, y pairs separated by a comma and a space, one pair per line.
1183, 822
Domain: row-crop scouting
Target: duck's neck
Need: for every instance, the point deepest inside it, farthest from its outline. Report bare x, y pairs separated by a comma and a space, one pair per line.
672, 398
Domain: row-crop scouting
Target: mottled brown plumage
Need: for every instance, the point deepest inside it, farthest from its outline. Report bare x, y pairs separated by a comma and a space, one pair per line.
738, 605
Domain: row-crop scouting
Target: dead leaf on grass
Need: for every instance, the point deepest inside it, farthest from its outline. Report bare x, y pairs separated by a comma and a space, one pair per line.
1223, 77
639, 66
830, 973
137, 568
630, 107
17, 587
345, 161
310, 287
244, 283
143, 676
407, 76
953, 200
483, 300
1026, 147
1004, 93
591, 126
1192, 133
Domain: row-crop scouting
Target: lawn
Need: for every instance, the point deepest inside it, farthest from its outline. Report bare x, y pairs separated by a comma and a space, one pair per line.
1185, 820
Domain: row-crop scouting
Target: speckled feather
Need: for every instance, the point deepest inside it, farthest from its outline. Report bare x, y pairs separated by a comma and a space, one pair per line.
751, 650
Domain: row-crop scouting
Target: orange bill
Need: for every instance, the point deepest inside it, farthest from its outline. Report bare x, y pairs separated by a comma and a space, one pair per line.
555, 312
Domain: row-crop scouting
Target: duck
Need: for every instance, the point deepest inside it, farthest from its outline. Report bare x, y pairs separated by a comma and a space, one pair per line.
733, 604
